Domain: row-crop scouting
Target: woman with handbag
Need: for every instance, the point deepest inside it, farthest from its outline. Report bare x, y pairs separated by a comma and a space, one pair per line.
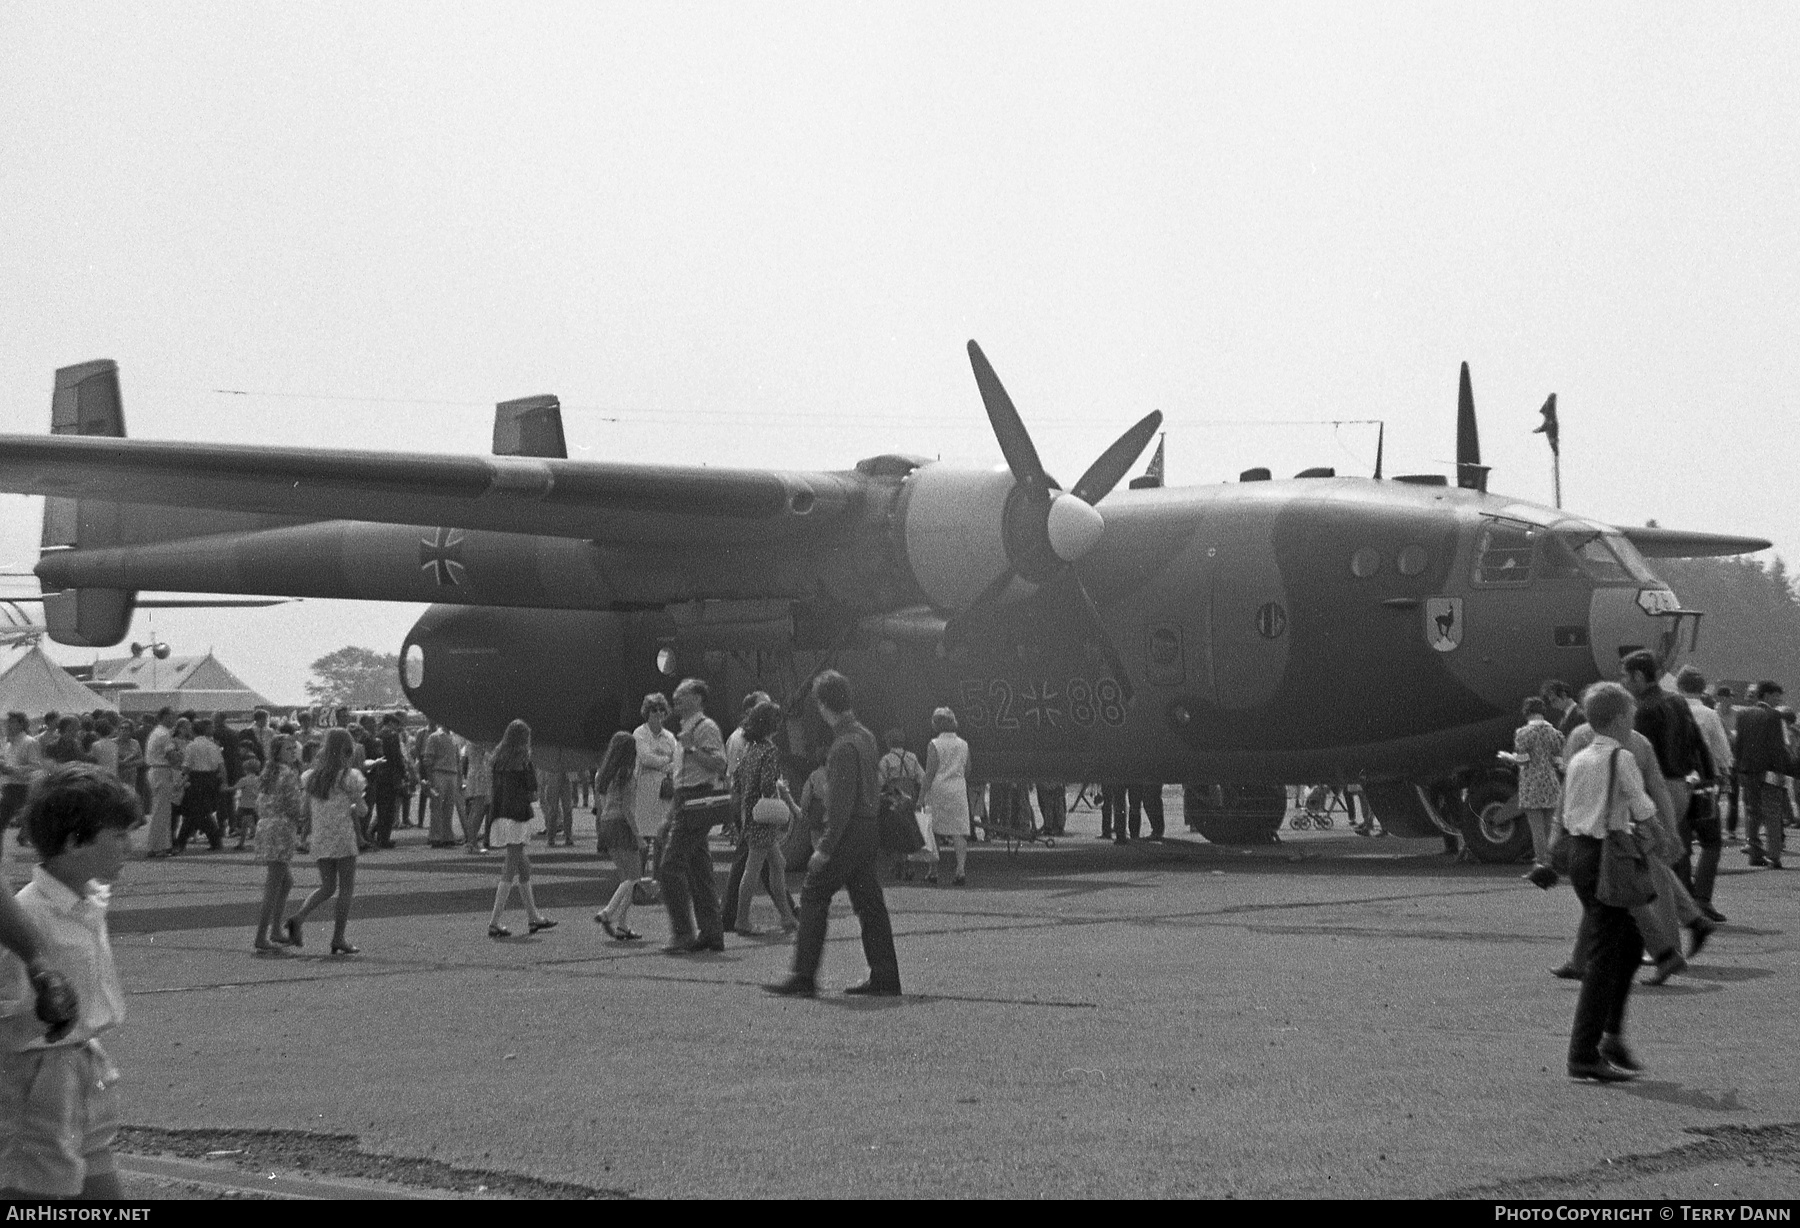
514, 785
1604, 799
768, 809
615, 796
332, 796
946, 792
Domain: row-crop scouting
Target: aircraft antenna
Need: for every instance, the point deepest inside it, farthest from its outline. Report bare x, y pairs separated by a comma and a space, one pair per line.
1552, 432
1380, 439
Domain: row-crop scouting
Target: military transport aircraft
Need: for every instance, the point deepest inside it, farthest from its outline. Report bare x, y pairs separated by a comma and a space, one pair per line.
1230, 637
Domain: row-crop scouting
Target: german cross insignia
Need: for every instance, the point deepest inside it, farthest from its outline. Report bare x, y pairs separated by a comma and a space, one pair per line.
443, 556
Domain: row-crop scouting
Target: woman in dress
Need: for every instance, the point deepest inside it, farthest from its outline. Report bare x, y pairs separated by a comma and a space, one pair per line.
514, 783
615, 802
1537, 749
757, 781
332, 795
658, 760
278, 818
947, 792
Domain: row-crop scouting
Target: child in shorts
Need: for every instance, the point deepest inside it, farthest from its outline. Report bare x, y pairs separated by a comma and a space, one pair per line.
249, 792
58, 1106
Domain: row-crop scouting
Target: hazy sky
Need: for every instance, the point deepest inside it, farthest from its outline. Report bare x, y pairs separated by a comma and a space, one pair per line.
761, 234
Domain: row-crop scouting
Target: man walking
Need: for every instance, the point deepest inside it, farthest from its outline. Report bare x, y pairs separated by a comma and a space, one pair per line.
1701, 822
846, 855
686, 872
1761, 753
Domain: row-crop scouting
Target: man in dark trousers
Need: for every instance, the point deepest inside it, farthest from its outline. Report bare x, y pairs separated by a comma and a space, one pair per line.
686, 874
1146, 802
1761, 749
846, 854
1669, 724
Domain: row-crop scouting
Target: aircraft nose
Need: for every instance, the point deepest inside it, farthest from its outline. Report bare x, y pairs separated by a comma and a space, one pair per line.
1623, 620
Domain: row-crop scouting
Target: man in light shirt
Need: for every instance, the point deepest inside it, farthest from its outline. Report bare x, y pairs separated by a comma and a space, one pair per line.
1659, 922
689, 892
1604, 792
161, 763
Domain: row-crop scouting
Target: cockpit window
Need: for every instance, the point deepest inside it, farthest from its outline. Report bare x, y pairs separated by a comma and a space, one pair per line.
1503, 553
1634, 562
1556, 558
1594, 554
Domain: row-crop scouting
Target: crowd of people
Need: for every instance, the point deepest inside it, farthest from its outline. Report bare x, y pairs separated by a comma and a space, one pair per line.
1631, 794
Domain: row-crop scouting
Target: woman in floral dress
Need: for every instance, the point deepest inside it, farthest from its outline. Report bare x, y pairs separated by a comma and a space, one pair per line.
1537, 749
278, 818
758, 779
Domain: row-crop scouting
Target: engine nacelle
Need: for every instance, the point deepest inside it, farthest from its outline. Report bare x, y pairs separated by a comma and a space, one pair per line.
952, 528
475, 668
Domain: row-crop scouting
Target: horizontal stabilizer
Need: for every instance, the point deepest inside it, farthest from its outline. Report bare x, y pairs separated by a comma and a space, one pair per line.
1656, 543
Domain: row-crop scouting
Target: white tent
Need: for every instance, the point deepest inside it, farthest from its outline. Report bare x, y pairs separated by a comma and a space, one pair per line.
32, 683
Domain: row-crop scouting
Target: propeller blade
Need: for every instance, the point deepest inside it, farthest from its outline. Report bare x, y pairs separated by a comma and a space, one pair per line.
1095, 634
1015, 442
958, 628
1116, 461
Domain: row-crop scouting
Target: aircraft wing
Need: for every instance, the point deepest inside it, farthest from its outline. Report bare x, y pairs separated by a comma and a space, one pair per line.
601, 501
1659, 543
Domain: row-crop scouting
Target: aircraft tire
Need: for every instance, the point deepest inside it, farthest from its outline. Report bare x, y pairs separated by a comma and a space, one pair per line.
1235, 814
1493, 827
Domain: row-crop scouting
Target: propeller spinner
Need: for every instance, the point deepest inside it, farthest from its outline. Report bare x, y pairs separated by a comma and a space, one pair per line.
1045, 529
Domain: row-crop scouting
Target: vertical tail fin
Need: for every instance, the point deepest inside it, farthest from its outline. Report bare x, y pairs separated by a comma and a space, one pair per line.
86, 401
530, 426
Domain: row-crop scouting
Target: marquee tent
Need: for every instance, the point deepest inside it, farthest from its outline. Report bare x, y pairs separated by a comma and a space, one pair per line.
32, 683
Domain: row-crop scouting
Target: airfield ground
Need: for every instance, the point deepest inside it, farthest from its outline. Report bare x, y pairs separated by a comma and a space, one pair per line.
1331, 1016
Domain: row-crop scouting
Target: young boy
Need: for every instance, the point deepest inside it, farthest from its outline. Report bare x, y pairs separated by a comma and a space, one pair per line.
249, 795
58, 1109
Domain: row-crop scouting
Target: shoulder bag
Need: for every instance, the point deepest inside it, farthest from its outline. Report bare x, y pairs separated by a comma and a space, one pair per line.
1624, 880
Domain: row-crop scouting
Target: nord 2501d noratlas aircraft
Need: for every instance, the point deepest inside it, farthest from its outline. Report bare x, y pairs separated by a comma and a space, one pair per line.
1229, 637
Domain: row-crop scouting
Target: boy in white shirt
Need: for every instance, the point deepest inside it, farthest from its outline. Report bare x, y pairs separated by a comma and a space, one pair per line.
58, 1107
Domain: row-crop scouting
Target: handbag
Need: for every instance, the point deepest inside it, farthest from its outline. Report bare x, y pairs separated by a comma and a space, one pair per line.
1624, 880
666, 790
770, 812
897, 824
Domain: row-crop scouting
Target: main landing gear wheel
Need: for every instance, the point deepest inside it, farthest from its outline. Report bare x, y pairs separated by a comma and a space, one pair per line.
1493, 827
1235, 814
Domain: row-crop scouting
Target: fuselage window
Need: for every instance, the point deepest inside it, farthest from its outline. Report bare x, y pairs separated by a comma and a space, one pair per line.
1503, 554
1365, 562
1412, 560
